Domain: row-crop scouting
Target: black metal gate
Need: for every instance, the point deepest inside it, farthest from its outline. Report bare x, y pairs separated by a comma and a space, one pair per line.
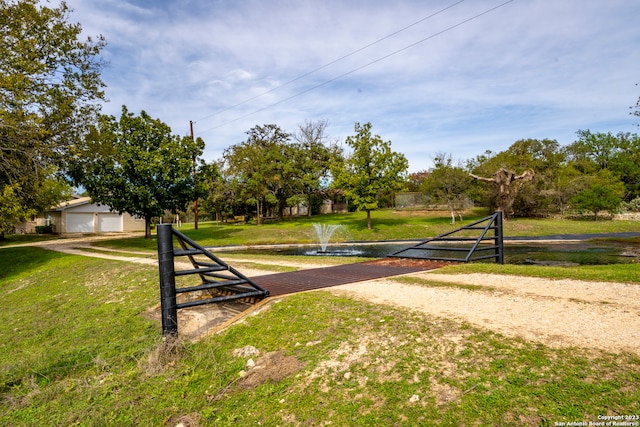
223, 281
468, 243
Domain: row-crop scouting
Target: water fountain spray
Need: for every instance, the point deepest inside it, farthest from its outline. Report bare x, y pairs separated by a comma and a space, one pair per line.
324, 233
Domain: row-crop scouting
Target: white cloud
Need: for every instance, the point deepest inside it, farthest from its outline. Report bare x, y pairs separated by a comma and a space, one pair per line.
530, 69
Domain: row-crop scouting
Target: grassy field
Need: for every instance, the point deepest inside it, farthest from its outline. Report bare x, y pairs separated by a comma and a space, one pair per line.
80, 348
387, 225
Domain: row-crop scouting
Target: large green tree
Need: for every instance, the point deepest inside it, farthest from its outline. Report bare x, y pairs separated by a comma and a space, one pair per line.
136, 165
370, 170
619, 153
565, 185
50, 91
448, 183
603, 193
592, 152
536, 197
314, 158
417, 180
12, 209
21, 200
625, 164
528, 195
218, 196
263, 168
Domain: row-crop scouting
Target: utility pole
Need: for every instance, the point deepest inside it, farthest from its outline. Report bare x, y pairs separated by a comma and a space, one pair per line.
195, 201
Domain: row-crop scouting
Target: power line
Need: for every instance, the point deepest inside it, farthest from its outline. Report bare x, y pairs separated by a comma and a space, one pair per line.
332, 62
432, 36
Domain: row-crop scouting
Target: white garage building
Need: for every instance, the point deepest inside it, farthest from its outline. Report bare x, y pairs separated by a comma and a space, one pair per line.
82, 216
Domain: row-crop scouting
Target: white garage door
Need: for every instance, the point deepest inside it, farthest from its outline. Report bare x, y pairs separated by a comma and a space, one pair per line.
79, 223
108, 222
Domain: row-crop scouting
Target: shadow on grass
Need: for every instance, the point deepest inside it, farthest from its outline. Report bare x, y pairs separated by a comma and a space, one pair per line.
16, 239
16, 261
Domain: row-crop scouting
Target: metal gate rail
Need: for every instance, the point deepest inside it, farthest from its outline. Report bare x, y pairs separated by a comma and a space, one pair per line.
214, 273
433, 248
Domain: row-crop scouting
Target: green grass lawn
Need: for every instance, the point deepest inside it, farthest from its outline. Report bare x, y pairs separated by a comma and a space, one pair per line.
79, 348
387, 225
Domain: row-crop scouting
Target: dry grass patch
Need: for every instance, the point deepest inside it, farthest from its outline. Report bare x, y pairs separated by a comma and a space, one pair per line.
273, 366
164, 356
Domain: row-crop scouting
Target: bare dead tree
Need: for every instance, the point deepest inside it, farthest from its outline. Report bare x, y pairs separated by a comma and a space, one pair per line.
507, 184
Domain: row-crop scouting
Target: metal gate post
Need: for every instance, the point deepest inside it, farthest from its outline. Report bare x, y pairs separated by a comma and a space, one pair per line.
168, 302
499, 238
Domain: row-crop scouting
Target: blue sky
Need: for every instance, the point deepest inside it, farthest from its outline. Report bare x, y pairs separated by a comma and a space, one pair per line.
477, 75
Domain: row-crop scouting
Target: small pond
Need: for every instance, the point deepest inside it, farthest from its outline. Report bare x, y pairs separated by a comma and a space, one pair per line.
558, 252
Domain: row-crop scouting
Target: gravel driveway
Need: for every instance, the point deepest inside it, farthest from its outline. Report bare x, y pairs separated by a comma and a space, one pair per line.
558, 313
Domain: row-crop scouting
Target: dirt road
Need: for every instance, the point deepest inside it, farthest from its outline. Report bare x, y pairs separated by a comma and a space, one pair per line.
558, 313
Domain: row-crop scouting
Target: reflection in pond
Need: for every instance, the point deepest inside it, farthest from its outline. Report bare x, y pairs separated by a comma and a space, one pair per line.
558, 253
569, 254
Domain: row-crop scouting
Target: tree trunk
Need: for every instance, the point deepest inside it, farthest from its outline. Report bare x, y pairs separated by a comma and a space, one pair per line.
259, 208
147, 227
280, 210
369, 219
507, 189
453, 215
